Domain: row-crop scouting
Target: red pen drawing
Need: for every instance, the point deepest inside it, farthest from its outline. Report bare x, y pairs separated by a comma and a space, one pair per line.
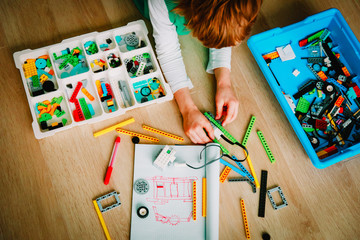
173, 220
167, 189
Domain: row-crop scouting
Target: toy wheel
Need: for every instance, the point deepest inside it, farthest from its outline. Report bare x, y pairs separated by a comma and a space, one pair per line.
145, 91
319, 85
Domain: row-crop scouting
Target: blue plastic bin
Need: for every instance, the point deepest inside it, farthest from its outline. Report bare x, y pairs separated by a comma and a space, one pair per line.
346, 44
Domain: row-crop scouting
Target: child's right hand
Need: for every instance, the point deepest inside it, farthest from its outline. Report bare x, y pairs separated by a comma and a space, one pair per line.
195, 124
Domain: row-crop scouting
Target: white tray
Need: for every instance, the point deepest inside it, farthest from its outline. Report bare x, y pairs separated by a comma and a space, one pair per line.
111, 76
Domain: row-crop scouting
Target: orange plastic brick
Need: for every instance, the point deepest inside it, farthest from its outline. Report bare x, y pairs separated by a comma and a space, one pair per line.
204, 197
322, 75
271, 55
194, 200
87, 94
224, 174
134, 134
169, 135
246, 225
346, 71
54, 106
339, 101
29, 68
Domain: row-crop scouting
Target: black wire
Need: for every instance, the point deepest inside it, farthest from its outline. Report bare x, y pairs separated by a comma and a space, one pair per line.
210, 162
238, 144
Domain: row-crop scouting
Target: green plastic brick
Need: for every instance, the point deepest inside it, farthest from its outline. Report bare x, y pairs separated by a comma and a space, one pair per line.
85, 108
266, 147
303, 105
248, 130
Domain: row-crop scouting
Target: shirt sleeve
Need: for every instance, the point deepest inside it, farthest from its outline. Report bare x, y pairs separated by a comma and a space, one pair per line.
167, 46
219, 58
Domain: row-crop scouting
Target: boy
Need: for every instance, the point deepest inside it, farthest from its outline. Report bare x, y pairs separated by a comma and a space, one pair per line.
218, 24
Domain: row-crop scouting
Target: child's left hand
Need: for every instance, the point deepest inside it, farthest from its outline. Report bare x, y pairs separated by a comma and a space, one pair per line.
226, 104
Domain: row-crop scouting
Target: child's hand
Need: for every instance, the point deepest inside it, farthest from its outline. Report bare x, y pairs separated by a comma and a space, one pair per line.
194, 125
193, 120
226, 102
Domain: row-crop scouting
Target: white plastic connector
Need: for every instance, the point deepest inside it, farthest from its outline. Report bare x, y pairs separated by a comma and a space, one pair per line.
166, 156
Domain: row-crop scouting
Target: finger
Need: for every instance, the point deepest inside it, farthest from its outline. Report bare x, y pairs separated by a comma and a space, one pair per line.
194, 137
219, 109
231, 114
202, 135
210, 131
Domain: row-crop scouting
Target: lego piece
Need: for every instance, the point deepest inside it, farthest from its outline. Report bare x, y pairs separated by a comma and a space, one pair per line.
266, 147
271, 56
169, 135
246, 224
296, 72
85, 109
327, 152
224, 174
77, 113
322, 75
87, 94
194, 200
103, 225
141, 186
99, 209
109, 195
286, 53
211, 118
262, 199
290, 101
204, 197
244, 169
139, 135
302, 106
76, 91
111, 128
142, 212
310, 38
284, 202
166, 156
248, 130
235, 169
346, 71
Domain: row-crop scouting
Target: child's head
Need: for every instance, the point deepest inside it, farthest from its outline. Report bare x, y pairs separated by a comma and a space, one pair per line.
219, 23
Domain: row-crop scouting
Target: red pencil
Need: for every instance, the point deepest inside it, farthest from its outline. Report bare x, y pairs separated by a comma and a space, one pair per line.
110, 167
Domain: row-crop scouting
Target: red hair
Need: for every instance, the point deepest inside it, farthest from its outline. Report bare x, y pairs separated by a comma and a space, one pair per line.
219, 23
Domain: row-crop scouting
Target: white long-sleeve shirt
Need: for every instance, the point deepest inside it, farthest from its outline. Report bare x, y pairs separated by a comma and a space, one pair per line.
168, 50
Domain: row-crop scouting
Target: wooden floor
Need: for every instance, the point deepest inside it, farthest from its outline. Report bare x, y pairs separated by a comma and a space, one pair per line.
47, 185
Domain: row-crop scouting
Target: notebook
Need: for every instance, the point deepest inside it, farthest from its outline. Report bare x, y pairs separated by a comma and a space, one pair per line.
162, 202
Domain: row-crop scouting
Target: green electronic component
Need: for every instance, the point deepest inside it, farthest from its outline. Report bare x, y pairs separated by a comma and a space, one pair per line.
85, 108
303, 105
248, 130
266, 147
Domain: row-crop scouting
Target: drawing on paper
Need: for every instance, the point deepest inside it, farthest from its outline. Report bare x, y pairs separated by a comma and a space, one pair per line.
173, 220
167, 189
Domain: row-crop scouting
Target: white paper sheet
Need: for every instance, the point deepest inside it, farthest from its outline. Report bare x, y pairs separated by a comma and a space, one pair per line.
169, 198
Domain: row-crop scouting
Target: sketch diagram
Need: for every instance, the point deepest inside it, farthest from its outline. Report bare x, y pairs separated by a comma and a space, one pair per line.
167, 189
173, 220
